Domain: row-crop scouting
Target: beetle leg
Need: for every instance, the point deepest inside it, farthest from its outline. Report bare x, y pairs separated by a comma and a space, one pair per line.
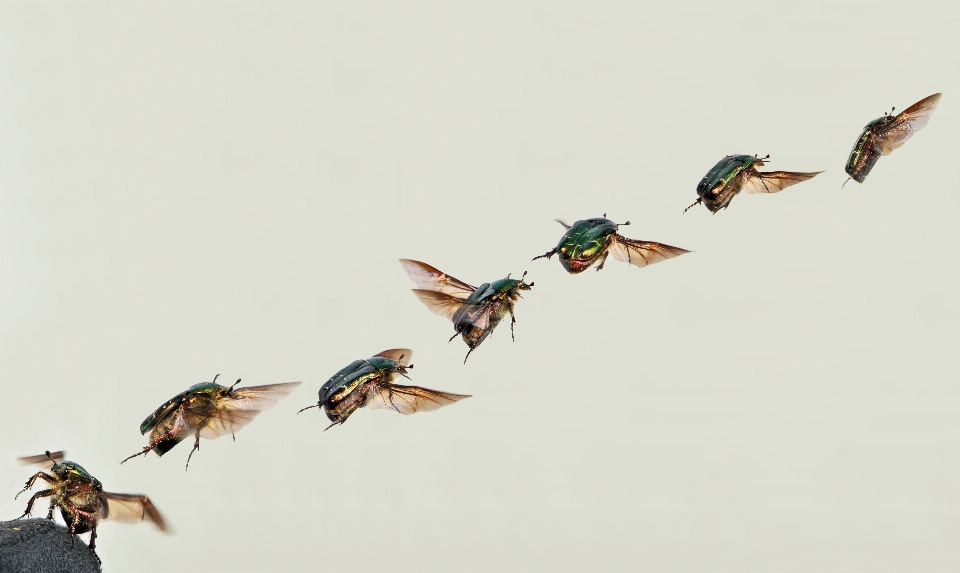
73, 528
140, 453
93, 543
41, 475
153, 443
603, 258
196, 446
546, 255
697, 202
513, 320
39, 494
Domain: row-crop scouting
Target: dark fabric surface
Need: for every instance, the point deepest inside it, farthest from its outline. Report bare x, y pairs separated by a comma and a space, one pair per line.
42, 546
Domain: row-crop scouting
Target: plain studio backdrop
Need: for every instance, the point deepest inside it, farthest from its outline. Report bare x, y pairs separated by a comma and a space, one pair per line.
190, 189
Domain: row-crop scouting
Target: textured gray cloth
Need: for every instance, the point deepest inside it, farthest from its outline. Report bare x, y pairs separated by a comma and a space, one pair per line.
42, 546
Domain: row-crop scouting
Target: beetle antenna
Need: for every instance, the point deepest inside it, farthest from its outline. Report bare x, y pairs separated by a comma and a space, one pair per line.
845, 182
308, 407
697, 202
234, 384
215, 378
627, 223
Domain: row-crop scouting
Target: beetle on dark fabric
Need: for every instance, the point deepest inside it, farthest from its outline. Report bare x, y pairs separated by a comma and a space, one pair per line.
82, 502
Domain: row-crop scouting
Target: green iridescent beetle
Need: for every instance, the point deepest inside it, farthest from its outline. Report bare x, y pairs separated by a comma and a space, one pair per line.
369, 383
885, 134
736, 173
82, 502
207, 410
592, 240
475, 312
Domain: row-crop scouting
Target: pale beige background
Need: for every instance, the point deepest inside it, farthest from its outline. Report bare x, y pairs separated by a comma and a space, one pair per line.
194, 188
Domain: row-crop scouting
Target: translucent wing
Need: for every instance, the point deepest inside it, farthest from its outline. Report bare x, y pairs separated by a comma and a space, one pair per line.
130, 508
430, 278
401, 355
774, 181
907, 122
233, 413
48, 457
446, 305
642, 253
409, 399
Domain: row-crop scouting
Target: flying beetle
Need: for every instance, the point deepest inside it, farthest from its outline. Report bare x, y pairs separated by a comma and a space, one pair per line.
82, 502
207, 410
592, 240
736, 173
370, 383
475, 312
885, 134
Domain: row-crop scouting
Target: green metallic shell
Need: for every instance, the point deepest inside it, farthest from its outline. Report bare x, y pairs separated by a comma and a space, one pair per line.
346, 391
865, 152
722, 183
84, 493
171, 405
585, 242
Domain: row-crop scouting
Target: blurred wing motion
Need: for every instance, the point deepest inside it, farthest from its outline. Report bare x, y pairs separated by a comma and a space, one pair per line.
409, 399
232, 414
432, 279
129, 508
43, 458
642, 253
401, 355
774, 181
907, 122
446, 305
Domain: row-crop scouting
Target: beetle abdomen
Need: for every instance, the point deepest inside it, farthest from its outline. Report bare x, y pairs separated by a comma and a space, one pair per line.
863, 156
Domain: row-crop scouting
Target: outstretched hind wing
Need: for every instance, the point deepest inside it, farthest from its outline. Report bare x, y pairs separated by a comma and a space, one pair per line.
233, 413
907, 122
774, 181
642, 253
409, 399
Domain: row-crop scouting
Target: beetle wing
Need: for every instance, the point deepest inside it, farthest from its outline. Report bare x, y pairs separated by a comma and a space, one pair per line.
446, 305
774, 181
642, 253
409, 399
401, 355
233, 413
907, 122
429, 278
42, 458
130, 508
